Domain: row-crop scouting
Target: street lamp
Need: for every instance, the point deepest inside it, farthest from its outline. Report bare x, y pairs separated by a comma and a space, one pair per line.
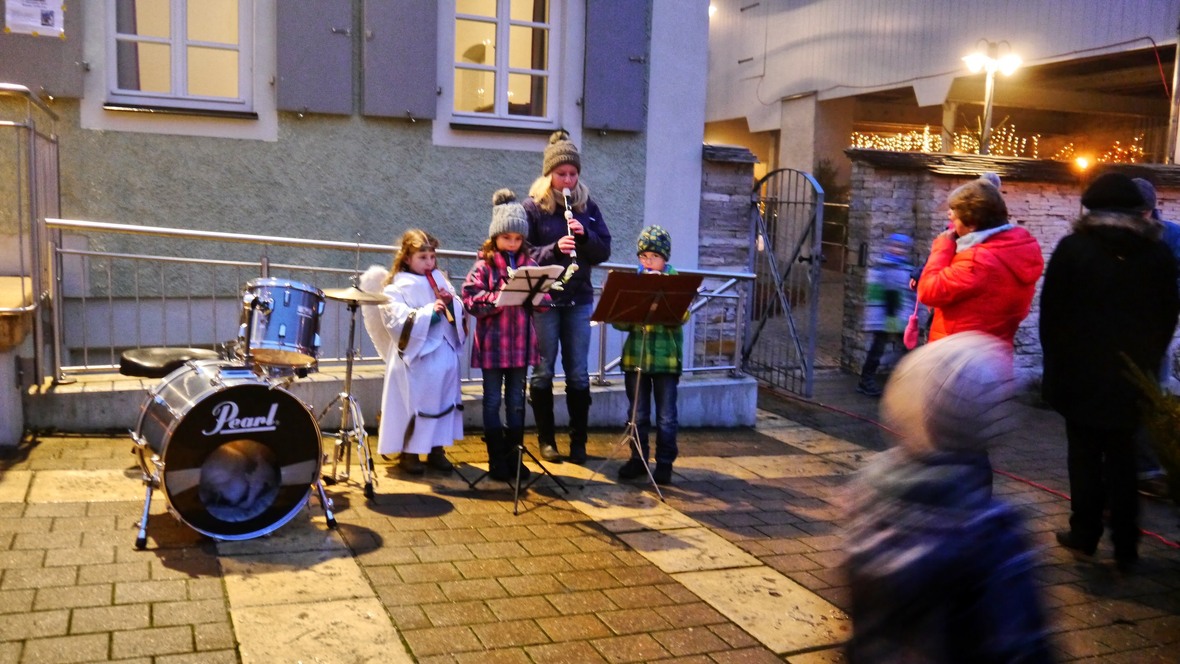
990, 60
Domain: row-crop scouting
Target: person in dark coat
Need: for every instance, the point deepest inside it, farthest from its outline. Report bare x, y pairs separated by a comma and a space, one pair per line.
1109, 298
939, 569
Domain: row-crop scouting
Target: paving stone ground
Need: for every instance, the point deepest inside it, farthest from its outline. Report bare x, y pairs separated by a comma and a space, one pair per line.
740, 563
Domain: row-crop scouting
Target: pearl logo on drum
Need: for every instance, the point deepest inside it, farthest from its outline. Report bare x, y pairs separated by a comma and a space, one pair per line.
228, 421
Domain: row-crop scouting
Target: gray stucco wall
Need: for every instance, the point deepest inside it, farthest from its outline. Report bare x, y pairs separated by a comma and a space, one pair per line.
325, 178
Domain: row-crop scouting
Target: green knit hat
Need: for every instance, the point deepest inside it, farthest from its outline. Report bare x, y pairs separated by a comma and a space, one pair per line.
657, 240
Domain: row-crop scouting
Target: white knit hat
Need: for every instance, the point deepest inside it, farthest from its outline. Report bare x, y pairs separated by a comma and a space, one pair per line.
951, 394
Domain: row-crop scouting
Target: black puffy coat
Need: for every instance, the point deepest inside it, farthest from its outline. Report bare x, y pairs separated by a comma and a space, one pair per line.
1109, 292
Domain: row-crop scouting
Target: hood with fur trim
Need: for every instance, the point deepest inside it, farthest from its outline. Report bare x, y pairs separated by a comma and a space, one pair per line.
1137, 224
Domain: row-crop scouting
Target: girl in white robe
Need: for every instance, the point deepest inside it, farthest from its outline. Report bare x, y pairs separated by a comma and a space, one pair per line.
422, 408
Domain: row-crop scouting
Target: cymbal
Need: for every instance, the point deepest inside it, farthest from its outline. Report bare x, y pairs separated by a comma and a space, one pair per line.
354, 294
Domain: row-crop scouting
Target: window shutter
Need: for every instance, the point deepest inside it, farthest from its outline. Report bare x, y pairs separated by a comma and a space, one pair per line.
315, 56
45, 65
400, 53
614, 96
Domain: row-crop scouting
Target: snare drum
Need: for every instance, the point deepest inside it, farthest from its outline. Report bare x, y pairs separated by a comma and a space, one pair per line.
281, 322
235, 455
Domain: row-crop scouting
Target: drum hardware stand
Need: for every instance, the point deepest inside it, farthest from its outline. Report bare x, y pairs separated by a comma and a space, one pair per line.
639, 299
352, 422
151, 482
524, 287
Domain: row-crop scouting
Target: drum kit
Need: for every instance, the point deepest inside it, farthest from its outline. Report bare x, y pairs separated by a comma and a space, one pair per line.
234, 452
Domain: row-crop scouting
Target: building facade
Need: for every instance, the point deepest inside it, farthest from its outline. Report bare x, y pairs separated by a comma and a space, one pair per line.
354, 120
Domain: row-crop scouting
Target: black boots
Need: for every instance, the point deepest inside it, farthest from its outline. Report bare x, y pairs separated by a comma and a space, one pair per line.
502, 455
632, 469
542, 400
578, 404
512, 458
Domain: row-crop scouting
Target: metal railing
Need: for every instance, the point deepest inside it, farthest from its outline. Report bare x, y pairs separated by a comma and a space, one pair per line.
32, 188
185, 288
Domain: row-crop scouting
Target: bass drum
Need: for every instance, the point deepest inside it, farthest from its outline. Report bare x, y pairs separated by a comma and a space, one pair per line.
235, 455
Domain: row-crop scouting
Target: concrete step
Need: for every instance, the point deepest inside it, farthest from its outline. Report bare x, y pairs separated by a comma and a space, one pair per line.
112, 402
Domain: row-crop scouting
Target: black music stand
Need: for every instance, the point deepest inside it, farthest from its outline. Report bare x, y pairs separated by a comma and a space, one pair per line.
526, 287
632, 298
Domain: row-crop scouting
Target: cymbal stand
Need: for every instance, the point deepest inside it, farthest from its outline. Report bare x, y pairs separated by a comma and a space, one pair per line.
352, 422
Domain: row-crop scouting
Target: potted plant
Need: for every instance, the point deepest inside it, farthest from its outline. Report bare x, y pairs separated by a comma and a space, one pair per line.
1162, 418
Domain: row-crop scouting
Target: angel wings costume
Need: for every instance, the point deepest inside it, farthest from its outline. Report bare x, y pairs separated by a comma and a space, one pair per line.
422, 405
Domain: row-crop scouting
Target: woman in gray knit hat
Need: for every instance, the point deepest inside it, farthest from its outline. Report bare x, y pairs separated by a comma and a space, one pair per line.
565, 228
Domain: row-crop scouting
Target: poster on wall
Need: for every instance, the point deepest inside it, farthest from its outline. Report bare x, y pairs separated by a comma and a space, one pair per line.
40, 18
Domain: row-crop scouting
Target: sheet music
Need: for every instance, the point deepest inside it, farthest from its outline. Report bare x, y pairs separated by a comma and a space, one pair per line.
535, 279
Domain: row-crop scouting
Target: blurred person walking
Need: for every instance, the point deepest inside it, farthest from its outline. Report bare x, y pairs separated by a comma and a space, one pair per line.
939, 570
888, 304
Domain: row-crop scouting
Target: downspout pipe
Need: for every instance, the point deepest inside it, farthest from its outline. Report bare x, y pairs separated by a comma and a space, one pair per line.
1174, 113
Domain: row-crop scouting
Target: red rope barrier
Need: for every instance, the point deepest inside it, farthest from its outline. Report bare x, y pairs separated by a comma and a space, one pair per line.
997, 471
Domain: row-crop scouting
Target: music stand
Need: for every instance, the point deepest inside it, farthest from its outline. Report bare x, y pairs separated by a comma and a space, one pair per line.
631, 298
526, 287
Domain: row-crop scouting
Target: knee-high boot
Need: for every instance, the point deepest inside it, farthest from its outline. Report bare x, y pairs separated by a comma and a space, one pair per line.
512, 439
578, 403
542, 400
497, 464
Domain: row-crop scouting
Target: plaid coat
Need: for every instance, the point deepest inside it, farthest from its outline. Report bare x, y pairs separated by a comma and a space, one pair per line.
504, 337
664, 351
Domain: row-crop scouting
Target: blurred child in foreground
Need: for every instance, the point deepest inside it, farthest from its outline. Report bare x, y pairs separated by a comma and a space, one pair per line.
938, 568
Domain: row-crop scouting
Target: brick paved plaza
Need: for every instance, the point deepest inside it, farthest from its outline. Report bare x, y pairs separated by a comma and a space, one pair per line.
740, 564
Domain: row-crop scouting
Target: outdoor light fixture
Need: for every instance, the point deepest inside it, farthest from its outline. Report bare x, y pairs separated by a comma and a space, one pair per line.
989, 59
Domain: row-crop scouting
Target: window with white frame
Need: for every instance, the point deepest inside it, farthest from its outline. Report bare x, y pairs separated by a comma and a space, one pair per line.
504, 63
192, 55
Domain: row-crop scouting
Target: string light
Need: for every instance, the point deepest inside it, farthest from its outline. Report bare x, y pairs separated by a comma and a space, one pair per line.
1117, 153
1005, 141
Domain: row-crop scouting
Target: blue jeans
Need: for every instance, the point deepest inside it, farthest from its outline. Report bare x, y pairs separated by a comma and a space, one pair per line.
664, 387
510, 383
569, 327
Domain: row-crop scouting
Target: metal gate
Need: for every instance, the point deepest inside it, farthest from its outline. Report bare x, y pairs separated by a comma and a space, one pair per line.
786, 217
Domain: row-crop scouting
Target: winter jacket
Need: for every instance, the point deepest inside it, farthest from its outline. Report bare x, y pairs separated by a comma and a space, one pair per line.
888, 298
663, 352
1109, 292
938, 570
987, 287
504, 336
593, 247
1171, 238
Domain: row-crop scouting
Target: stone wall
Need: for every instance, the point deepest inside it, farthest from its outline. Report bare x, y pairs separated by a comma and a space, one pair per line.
899, 193
727, 181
